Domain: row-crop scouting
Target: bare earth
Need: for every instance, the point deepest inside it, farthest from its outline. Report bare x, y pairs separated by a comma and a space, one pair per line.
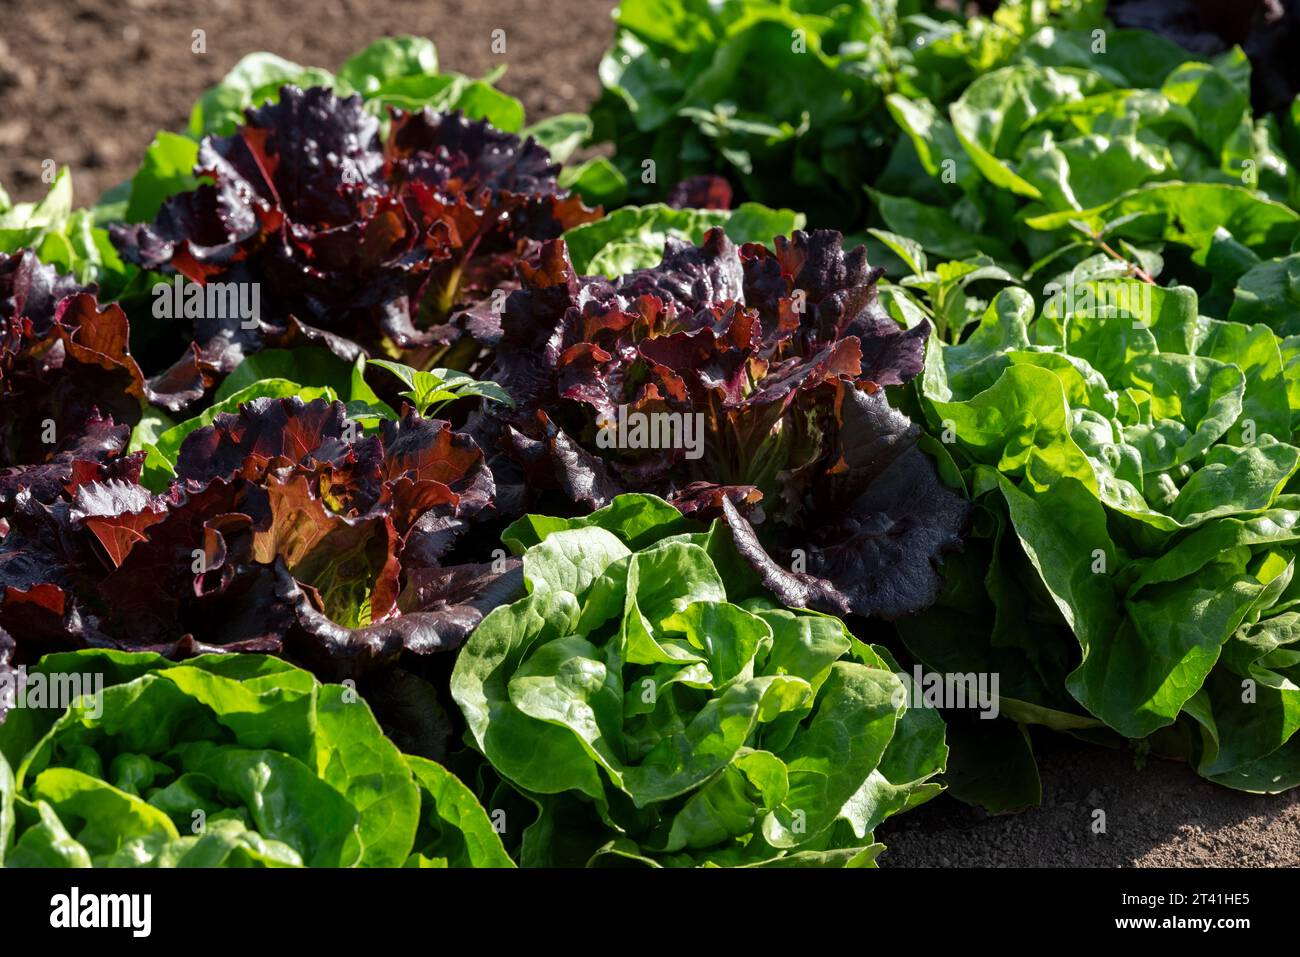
88, 82
1159, 815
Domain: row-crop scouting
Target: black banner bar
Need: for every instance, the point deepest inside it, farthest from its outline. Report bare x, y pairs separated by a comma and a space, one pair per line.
335, 907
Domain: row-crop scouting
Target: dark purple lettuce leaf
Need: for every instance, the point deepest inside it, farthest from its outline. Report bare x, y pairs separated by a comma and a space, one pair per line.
876, 521
459, 158
690, 276
96, 453
70, 391
65, 362
33, 290
355, 244
783, 356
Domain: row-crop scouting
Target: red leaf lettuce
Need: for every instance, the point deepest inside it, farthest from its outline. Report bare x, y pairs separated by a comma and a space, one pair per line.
355, 244
784, 357
287, 532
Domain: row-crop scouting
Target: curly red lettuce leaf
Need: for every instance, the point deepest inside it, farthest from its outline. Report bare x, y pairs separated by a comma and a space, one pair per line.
64, 360
69, 388
287, 531
355, 244
31, 289
780, 359
95, 453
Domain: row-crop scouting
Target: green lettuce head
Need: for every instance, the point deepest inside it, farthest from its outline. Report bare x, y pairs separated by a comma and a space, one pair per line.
222, 761
655, 706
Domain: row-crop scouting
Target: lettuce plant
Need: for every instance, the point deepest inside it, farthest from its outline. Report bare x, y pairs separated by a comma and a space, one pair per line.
1134, 468
788, 99
355, 242
287, 530
654, 704
1147, 155
223, 761
780, 360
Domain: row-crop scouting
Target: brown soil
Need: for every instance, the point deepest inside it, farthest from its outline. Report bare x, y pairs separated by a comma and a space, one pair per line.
88, 82
1157, 814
